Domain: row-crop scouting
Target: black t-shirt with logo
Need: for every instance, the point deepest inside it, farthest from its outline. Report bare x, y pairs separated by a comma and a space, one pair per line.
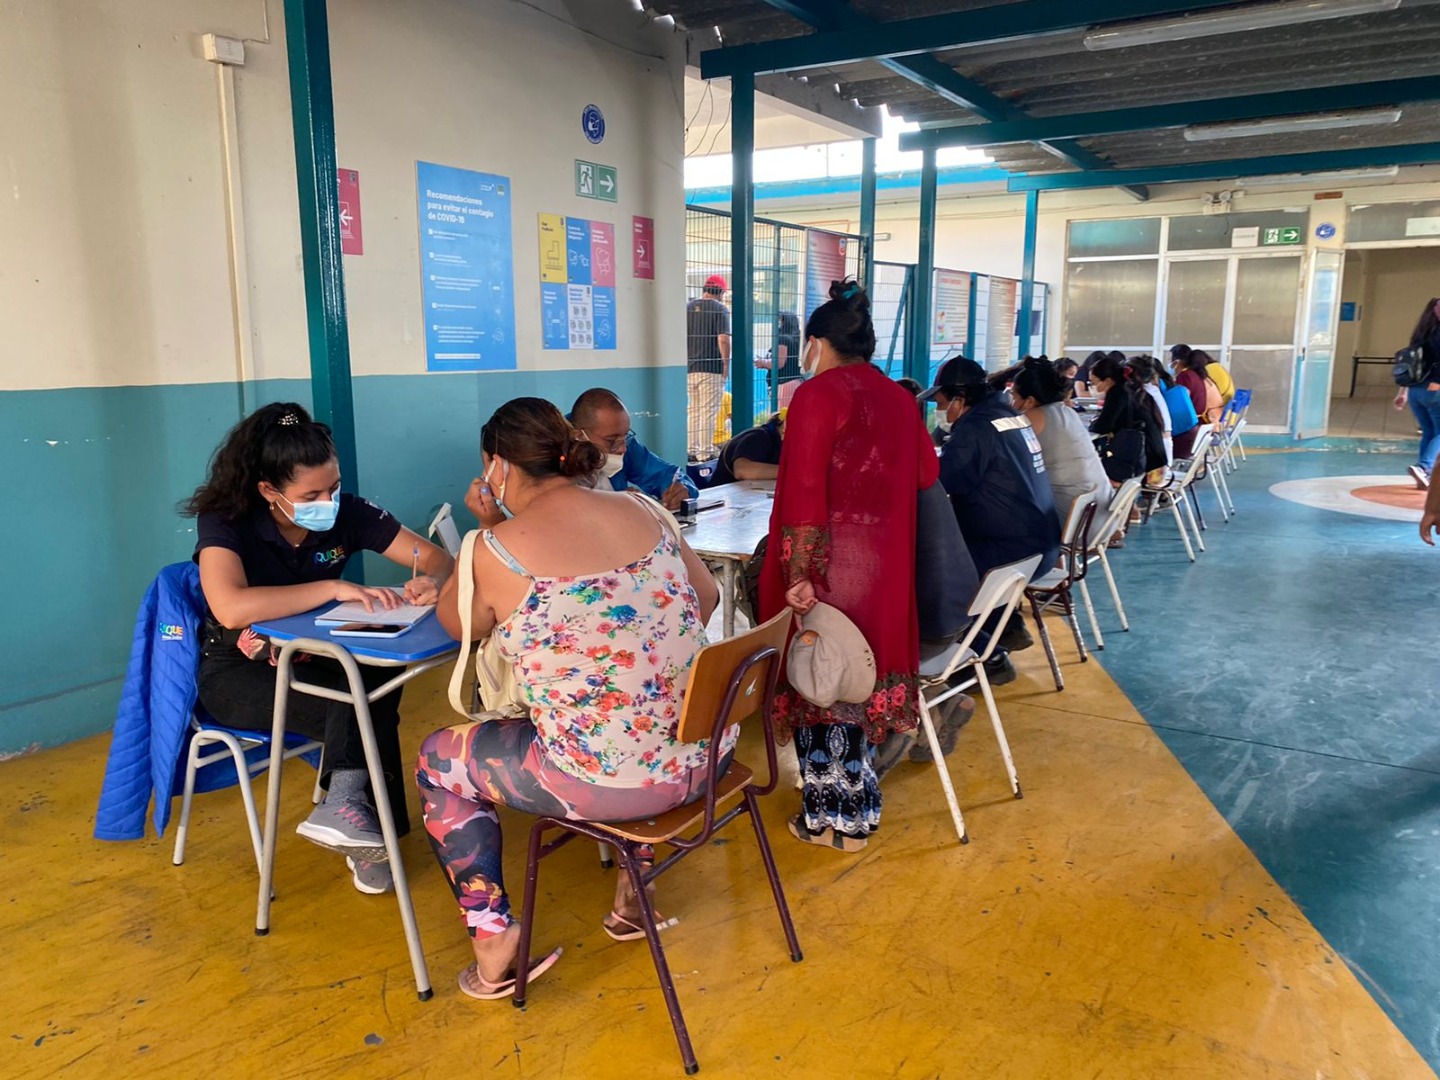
705, 320
269, 559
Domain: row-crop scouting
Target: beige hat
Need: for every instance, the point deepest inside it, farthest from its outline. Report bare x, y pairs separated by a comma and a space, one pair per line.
830, 660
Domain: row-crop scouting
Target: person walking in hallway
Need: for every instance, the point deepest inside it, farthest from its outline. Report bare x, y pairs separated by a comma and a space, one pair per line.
1424, 399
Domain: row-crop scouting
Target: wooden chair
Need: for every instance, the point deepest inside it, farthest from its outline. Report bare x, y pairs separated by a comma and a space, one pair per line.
731, 681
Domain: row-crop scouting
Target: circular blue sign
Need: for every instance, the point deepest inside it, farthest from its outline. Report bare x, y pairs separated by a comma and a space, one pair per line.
1325, 230
592, 121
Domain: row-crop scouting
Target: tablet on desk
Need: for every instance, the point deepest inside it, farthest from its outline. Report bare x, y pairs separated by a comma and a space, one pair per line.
370, 630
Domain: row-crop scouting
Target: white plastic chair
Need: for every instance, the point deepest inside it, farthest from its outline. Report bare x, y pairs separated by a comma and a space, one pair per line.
234, 743
1172, 494
1001, 591
1121, 503
1056, 584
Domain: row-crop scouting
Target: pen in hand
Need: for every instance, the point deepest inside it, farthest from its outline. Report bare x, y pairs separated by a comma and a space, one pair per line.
415, 563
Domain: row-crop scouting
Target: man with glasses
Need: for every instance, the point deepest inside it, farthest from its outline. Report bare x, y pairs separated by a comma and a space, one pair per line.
601, 418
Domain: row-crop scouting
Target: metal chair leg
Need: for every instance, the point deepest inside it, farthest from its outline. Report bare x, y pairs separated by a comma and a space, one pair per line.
752, 805
527, 913
1045, 640
989, 696
1090, 610
192, 766
1114, 591
662, 969
928, 725
1074, 621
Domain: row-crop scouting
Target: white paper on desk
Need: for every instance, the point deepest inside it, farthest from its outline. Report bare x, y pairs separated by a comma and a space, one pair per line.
354, 611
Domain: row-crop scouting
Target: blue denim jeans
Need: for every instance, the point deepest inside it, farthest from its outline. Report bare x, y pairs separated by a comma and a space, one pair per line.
1425, 404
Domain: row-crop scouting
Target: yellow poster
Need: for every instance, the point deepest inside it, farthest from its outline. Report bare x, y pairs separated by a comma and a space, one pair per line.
552, 248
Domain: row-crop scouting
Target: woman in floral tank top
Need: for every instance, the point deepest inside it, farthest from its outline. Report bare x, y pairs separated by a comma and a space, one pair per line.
601, 628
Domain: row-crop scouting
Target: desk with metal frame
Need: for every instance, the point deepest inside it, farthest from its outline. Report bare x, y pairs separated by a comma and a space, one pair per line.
423, 648
728, 534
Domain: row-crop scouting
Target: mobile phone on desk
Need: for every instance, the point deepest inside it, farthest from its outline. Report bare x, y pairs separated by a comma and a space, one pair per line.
375, 630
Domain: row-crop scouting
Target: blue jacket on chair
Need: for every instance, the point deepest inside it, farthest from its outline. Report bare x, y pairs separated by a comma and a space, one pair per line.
152, 726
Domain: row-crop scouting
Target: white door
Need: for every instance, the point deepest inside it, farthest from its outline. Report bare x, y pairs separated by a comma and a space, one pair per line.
1317, 343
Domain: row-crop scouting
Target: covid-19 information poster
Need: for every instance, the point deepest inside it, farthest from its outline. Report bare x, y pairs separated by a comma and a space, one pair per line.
466, 269
577, 283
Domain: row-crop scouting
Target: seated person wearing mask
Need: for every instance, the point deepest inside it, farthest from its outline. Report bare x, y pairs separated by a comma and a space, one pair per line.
993, 468
753, 454
603, 420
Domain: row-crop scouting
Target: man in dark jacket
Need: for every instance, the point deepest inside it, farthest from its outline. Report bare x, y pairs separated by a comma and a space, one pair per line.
993, 470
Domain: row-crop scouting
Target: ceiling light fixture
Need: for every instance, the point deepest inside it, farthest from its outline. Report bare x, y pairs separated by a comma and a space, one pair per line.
1384, 173
1286, 125
1230, 21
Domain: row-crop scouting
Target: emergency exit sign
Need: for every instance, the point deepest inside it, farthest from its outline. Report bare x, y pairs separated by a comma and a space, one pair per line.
594, 181
1290, 234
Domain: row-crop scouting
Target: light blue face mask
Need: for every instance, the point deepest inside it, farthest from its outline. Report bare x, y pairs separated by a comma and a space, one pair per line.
500, 492
316, 516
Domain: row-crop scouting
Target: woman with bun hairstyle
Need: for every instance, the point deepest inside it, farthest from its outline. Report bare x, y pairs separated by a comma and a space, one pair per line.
1134, 442
274, 533
842, 532
601, 636
1040, 392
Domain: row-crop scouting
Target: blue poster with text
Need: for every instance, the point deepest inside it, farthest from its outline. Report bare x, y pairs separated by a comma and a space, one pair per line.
467, 269
577, 250
603, 300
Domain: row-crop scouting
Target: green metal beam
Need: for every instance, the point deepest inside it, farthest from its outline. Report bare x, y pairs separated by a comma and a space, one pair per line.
1318, 161
1180, 114
1027, 274
867, 215
917, 357
932, 33
742, 251
312, 111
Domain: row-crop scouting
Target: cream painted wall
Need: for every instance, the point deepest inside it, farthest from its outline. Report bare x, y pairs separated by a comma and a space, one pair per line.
1398, 282
500, 88
114, 268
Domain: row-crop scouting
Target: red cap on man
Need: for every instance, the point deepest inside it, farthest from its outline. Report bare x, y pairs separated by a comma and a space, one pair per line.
715, 283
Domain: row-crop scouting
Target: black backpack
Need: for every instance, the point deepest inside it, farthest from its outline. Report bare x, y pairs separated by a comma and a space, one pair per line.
1410, 368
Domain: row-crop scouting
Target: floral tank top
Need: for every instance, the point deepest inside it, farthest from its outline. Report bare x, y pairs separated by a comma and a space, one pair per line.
603, 661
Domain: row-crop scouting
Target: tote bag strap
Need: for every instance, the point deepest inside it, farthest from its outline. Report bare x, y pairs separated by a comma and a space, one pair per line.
465, 600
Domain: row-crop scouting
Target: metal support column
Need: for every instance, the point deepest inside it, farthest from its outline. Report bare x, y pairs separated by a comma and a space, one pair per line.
867, 216
312, 111
1023, 317
742, 250
917, 357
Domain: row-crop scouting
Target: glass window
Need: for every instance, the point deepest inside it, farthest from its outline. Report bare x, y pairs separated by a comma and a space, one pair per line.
1269, 374
1111, 304
1121, 236
1203, 233
1267, 294
1394, 221
1195, 302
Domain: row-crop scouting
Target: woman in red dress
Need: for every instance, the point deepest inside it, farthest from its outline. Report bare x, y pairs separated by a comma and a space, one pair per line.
855, 457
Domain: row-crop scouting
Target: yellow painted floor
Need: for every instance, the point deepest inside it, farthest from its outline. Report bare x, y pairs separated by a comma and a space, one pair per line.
1110, 924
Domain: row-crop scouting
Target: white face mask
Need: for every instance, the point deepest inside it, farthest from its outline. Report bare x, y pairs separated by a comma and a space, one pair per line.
942, 419
613, 464
500, 492
811, 360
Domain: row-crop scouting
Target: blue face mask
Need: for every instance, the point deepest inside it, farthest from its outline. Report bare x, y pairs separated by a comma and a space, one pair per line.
500, 492
316, 516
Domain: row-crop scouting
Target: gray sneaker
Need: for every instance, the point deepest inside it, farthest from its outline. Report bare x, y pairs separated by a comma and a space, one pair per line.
346, 825
372, 878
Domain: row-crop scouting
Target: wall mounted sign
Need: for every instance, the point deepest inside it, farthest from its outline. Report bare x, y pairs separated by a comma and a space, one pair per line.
592, 122
467, 272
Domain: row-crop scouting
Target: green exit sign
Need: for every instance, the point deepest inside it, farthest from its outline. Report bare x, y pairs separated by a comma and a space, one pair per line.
1290, 234
594, 181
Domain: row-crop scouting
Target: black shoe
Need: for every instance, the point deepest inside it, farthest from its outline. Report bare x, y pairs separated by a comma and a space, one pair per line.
892, 751
999, 670
954, 715
1017, 636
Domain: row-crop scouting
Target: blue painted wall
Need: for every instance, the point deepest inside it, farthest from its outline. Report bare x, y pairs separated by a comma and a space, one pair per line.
92, 475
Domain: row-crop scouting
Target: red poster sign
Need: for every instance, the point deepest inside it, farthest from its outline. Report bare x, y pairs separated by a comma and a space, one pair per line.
602, 253
642, 231
352, 241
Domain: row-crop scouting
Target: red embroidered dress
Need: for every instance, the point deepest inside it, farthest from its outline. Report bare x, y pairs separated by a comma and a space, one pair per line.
855, 457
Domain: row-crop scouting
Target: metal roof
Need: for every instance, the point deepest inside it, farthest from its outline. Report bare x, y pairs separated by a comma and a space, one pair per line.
1053, 74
